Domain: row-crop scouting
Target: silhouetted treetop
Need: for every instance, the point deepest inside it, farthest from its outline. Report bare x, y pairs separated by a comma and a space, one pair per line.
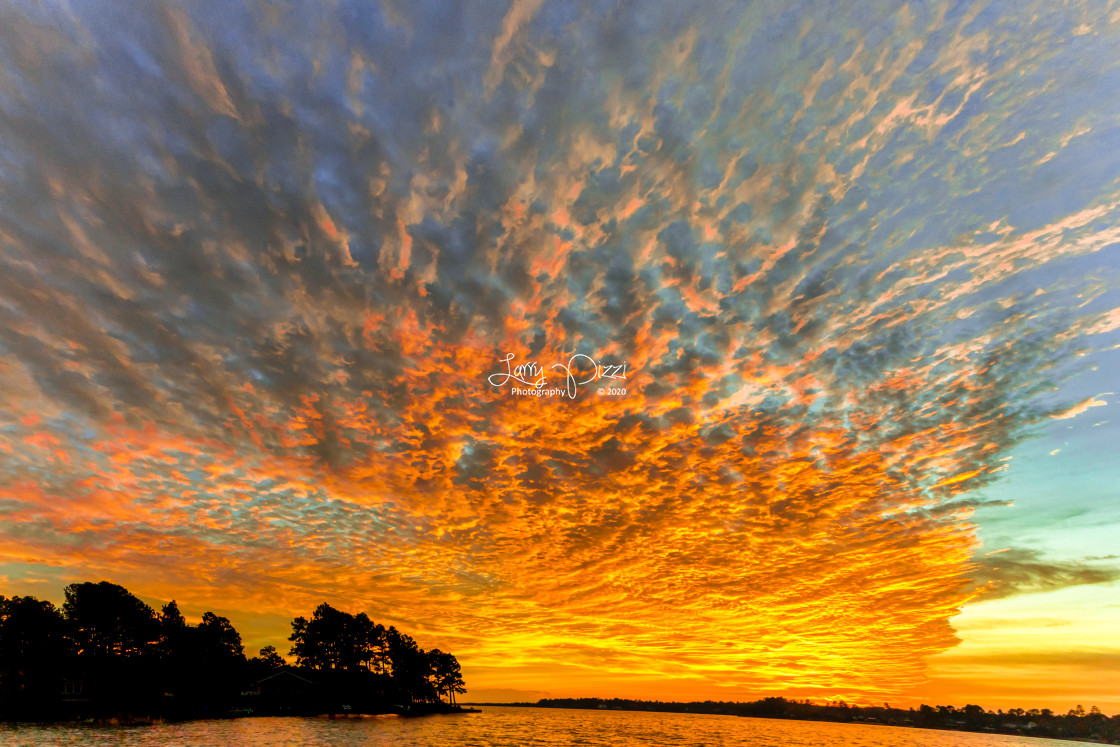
218, 638
337, 640
270, 658
170, 617
107, 620
447, 677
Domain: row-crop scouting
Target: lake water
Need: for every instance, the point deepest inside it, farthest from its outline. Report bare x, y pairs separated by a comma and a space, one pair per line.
512, 726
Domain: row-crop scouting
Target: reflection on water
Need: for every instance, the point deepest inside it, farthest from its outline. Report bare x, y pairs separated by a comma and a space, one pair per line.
512, 726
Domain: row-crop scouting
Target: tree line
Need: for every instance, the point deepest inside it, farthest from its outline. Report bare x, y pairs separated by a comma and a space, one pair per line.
388, 661
105, 652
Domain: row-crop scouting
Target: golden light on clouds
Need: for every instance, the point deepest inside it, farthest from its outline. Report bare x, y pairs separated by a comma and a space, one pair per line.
648, 535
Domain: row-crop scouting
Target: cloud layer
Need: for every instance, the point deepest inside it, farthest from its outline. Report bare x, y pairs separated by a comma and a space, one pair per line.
259, 263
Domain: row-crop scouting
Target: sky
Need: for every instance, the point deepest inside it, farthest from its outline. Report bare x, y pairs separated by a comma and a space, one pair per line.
708, 350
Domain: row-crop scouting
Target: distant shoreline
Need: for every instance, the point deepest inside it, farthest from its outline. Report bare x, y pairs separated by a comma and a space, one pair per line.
1093, 727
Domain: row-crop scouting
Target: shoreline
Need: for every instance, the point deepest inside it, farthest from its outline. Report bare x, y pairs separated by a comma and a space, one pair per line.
124, 720
714, 708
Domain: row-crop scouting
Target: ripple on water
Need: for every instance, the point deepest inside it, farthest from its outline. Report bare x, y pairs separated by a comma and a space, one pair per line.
511, 726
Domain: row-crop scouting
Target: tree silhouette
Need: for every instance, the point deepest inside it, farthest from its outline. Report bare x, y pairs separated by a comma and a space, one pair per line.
447, 678
106, 653
371, 652
173, 633
107, 620
33, 645
411, 668
336, 640
271, 658
318, 643
116, 640
218, 639
171, 617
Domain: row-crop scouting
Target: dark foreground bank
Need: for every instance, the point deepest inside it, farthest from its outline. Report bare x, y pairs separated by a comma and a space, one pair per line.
105, 656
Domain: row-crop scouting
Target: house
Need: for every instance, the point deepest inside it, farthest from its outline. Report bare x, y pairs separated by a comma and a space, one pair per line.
282, 693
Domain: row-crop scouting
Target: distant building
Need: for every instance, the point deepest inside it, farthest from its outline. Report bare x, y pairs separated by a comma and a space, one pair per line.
283, 692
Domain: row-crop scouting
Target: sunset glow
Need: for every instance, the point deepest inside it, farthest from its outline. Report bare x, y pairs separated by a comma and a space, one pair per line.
262, 267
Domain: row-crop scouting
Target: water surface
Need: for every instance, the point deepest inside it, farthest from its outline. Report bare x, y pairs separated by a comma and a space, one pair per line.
513, 726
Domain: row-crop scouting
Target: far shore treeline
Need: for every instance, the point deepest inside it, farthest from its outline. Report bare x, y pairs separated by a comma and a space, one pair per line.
107, 654
1077, 724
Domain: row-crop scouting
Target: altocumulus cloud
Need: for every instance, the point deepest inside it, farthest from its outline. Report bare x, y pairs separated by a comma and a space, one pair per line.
259, 260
